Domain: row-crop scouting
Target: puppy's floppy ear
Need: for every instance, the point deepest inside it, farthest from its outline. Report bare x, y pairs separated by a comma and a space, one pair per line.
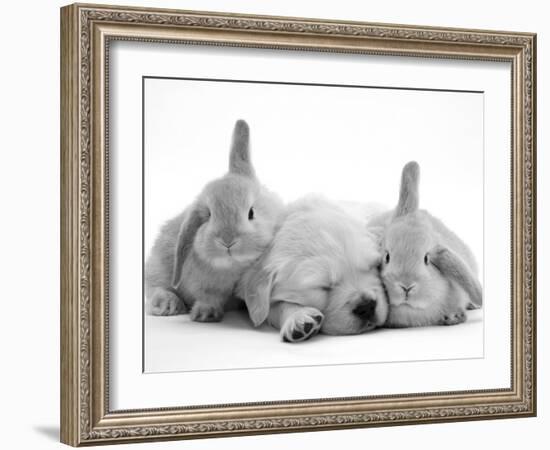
239, 157
192, 221
453, 268
408, 193
258, 283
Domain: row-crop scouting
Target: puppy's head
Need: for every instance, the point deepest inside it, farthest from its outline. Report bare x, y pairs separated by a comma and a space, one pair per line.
321, 258
356, 301
340, 277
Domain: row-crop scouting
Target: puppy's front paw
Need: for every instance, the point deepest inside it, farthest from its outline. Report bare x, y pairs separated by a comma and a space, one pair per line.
165, 303
453, 318
302, 325
203, 312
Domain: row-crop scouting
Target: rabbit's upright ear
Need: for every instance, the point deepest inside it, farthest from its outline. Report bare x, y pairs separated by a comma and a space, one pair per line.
408, 193
188, 229
453, 268
239, 157
258, 283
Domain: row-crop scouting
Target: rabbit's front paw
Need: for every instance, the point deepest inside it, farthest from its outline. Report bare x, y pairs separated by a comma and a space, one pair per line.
453, 318
302, 325
165, 303
203, 312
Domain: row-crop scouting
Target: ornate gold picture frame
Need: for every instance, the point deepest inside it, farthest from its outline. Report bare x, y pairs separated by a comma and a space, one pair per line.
87, 31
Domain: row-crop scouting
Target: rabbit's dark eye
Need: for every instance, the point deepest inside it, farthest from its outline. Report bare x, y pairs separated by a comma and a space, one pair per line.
251, 214
387, 258
426, 259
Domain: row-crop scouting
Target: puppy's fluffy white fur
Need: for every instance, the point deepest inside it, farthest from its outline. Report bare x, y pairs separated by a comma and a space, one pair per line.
319, 274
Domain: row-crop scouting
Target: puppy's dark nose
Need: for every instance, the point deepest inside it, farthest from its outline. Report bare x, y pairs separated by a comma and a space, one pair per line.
365, 308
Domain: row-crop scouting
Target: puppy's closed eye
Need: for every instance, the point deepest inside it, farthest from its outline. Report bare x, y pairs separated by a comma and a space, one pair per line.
329, 287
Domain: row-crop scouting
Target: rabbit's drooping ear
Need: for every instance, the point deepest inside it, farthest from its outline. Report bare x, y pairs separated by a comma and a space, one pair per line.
189, 227
258, 284
453, 268
408, 193
239, 157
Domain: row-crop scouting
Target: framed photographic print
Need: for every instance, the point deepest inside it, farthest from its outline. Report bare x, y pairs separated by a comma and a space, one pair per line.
274, 224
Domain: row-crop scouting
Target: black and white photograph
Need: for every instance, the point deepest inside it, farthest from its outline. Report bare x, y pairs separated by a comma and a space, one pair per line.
267, 225
278, 224
348, 230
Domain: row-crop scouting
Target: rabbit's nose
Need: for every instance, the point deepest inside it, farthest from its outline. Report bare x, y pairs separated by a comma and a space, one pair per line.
408, 288
227, 244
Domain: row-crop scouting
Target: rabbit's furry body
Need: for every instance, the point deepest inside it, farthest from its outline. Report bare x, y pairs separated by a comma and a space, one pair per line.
429, 273
200, 254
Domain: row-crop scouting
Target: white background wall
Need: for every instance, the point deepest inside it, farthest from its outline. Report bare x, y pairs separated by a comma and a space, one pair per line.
331, 143
29, 238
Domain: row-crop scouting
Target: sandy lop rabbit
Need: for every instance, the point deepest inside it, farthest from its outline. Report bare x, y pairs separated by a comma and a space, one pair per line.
199, 255
429, 273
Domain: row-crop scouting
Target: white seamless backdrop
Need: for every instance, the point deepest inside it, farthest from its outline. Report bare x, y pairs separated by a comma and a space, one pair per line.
448, 164
346, 142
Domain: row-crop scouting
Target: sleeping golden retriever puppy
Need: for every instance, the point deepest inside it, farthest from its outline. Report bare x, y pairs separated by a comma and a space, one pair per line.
320, 274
